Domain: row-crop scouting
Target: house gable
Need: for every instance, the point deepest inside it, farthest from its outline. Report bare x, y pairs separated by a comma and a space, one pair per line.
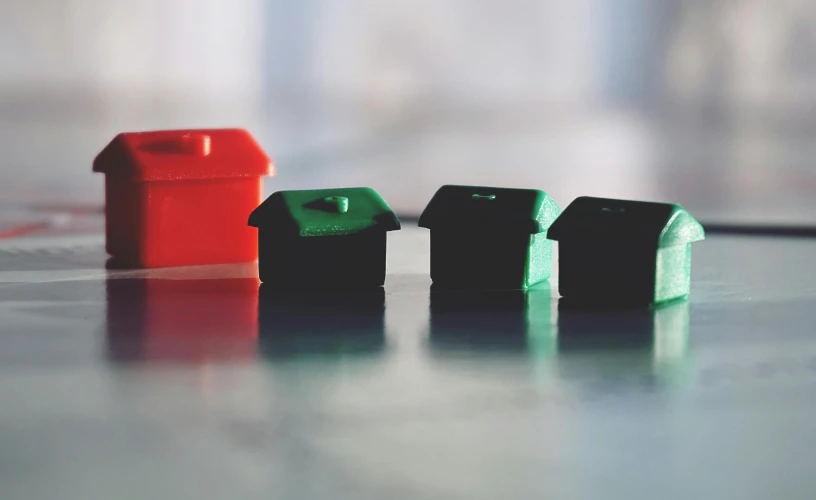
324, 212
480, 208
184, 155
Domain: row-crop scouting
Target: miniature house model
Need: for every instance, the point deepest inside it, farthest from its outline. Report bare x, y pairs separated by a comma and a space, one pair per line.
631, 252
323, 239
489, 238
181, 197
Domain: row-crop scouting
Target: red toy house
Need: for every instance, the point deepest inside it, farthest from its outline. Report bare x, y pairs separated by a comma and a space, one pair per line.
182, 197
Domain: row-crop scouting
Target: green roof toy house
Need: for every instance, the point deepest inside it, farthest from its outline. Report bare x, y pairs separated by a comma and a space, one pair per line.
325, 238
489, 238
616, 251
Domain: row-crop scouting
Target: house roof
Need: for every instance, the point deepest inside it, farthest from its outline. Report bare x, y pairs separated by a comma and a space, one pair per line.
184, 154
601, 220
325, 212
479, 208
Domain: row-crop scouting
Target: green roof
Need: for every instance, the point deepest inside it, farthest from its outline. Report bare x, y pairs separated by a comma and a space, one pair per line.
325, 212
601, 220
479, 208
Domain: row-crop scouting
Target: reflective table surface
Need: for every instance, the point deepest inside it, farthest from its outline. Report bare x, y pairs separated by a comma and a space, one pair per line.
199, 383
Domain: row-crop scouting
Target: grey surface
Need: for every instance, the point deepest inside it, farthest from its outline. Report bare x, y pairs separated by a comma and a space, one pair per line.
115, 395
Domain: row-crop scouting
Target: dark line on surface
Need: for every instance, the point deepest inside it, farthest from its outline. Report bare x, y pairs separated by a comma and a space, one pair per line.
719, 228
761, 230
413, 219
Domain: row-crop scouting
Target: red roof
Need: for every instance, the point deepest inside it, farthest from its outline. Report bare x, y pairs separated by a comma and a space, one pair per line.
167, 155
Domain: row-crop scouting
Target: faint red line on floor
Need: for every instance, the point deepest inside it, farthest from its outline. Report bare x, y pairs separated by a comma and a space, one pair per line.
23, 230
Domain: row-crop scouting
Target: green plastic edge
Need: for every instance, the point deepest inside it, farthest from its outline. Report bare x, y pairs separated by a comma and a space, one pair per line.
681, 229
547, 213
276, 212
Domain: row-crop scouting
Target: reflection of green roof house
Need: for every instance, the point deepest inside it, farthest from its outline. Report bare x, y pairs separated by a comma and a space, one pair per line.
624, 251
325, 238
487, 237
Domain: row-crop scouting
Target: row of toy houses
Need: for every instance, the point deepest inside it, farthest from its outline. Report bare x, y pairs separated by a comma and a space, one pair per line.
193, 197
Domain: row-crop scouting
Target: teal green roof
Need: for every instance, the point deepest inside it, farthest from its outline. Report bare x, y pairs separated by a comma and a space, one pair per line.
325, 212
482, 208
602, 220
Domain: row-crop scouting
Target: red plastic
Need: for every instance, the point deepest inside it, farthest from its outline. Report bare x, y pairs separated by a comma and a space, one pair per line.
182, 197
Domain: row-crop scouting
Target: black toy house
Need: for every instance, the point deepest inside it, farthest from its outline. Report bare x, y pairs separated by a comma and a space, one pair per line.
323, 239
488, 237
628, 252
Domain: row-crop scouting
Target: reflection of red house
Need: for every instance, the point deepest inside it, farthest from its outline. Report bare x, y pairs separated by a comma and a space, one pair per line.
192, 321
182, 197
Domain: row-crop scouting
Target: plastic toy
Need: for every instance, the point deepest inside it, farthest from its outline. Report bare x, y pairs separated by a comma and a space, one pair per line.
181, 197
325, 238
632, 252
489, 238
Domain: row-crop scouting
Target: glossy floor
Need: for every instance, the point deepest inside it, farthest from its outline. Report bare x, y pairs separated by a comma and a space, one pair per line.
196, 383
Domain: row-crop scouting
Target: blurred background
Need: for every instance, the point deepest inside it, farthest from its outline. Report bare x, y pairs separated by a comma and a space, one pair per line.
706, 103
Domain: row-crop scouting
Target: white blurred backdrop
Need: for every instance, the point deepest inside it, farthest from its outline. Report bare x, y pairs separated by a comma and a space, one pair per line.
708, 103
